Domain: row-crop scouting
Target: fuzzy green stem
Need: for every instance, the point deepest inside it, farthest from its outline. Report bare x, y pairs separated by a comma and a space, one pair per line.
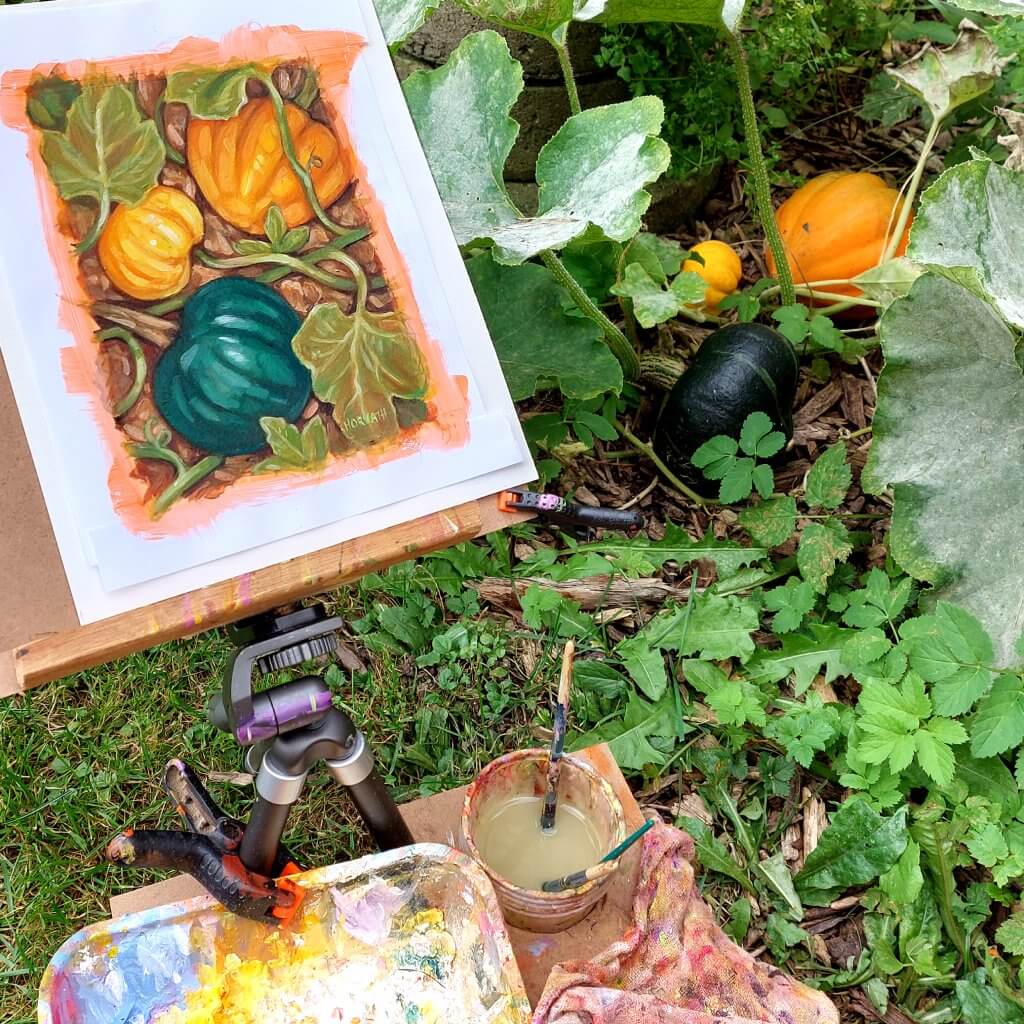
97, 225
138, 363
614, 338
565, 62
667, 473
302, 173
759, 169
912, 187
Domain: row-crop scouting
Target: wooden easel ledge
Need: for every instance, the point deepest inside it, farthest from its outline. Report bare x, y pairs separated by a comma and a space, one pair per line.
59, 654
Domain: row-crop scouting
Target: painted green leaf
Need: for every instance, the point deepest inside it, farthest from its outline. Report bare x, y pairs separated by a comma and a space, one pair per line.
946, 79
970, 228
360, 362
538, 344
858, 846
107, 151
49, 100
293, 450
461, 111
213, 95
727, 13
948, 434
592, 172
400, 18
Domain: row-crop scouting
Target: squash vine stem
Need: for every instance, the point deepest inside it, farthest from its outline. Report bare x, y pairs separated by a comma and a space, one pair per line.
614, 338
565, 62
759, 169
138, 363
667, 473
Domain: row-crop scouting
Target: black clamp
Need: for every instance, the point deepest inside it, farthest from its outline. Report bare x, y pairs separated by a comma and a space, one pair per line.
579, 518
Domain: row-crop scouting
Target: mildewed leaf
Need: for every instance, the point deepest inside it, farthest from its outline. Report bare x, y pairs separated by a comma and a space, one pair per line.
822, 546
359, 362
538, 344
829, 479
212, 95
970, 228
592, 171
954, 463
546, 18
946, 79
856, 848
719, 13
991, 6
461, 111
107, 152
400, 18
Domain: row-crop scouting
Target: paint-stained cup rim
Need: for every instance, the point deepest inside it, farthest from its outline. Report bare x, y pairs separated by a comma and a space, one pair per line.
542, 756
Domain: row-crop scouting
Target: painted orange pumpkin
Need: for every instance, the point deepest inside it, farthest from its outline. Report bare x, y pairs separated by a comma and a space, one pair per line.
721, 269
146, 249
837, 226
242, 170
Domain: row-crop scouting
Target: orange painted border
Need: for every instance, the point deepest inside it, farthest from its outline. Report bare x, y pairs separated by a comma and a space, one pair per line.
333, 54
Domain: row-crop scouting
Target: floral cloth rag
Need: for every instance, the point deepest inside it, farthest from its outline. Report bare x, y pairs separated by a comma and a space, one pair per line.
675, 965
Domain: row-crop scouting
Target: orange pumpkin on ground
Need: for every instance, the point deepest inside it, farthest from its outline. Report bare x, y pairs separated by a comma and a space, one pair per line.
837, 226
721, 269
241, 167
146, 249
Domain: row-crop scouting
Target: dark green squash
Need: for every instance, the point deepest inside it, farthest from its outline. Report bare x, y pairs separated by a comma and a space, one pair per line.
231, 363
739, 369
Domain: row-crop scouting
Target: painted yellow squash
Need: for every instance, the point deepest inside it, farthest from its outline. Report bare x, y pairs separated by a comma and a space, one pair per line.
721, 269
242, 170
146, 249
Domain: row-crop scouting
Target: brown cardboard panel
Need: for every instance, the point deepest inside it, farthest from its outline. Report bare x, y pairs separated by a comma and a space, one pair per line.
437, 819
34, 599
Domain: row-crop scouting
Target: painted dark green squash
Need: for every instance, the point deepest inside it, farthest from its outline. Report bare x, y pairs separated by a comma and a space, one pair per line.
739, 369
231, 363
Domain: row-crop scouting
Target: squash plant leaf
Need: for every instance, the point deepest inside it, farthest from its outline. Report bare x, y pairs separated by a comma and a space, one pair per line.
360, 362
954, 464
720, 13
538, 344
993, 7
107, 151
400, 18
546, 18
592, 171
970, 228
213, 95
461, 111
946, 79
307, 450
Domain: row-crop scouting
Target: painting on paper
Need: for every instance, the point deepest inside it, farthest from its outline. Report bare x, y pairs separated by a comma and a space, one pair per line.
235, 312
239, 305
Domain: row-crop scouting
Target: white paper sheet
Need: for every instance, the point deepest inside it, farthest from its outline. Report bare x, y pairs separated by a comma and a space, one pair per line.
109, 568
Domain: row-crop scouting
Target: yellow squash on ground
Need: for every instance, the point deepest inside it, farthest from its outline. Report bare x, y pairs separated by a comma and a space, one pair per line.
837, 226
721, 270
242, 170
146, 249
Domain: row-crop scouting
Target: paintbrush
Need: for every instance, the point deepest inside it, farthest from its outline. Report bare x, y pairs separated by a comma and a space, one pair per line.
605, 866
547, 818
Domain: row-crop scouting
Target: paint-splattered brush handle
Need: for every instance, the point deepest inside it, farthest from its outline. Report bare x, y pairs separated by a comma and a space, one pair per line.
547, 818
578, 878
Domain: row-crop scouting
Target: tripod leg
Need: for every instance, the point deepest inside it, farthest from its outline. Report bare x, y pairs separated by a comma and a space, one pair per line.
276, 792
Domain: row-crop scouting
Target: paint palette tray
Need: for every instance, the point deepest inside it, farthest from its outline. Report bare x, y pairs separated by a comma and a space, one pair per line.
411, 935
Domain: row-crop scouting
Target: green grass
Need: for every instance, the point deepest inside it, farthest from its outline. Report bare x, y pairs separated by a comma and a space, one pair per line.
82, 758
